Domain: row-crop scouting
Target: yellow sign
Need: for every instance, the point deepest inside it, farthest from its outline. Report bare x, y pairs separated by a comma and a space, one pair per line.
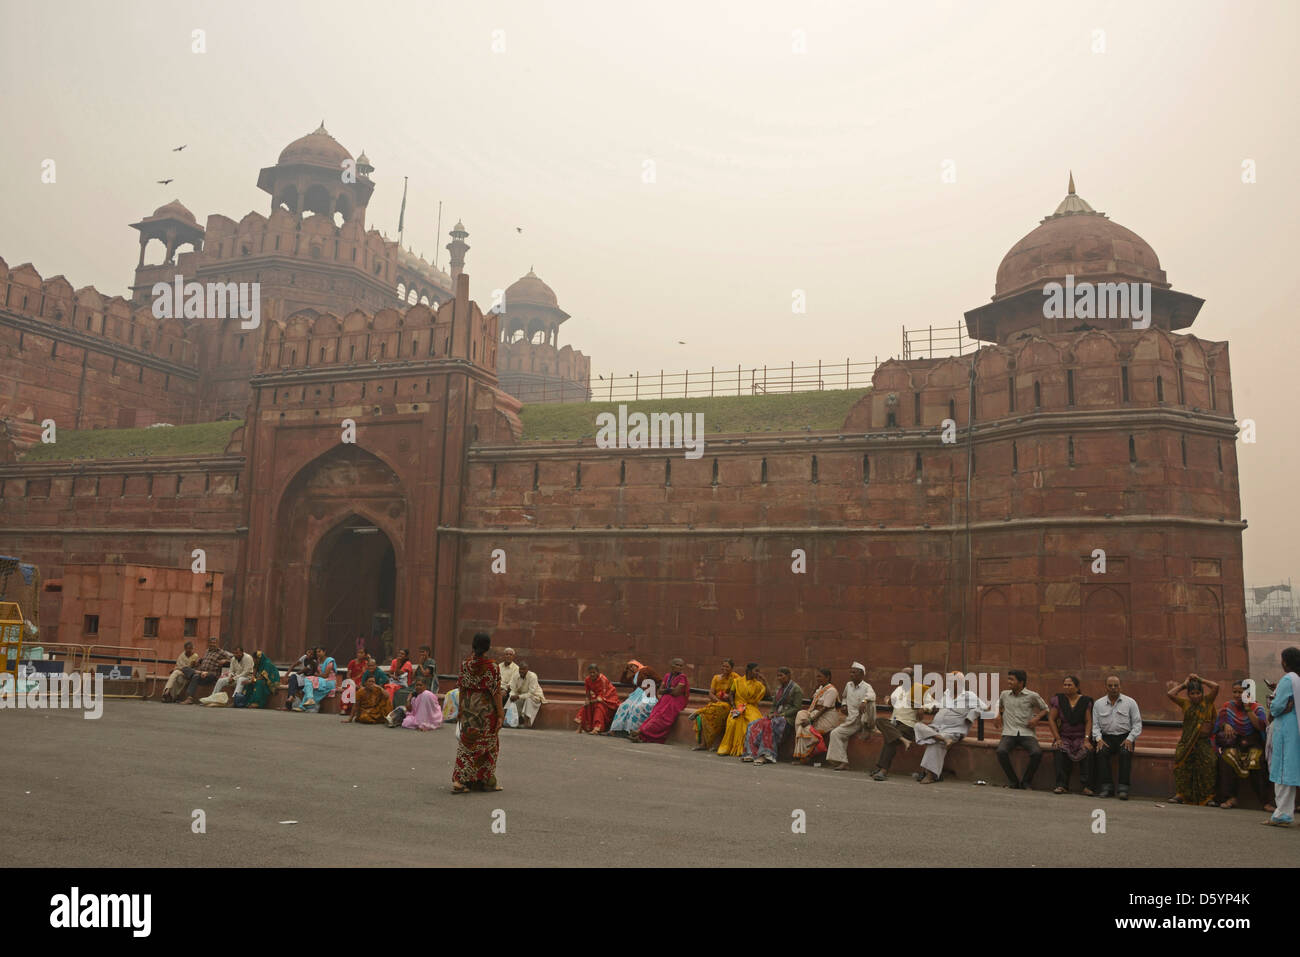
11, 636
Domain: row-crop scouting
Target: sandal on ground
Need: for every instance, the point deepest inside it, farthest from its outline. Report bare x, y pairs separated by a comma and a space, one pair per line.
459, 789
1229, 803
1270, 808
1177, 799
1089, 792
1058, 790
495, 787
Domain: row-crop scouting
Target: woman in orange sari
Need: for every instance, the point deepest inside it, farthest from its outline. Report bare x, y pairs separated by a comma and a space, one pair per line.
711, 720
602, 702
748, 691
481, 717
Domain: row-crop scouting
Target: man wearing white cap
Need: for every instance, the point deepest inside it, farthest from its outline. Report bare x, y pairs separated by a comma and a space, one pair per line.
859, 701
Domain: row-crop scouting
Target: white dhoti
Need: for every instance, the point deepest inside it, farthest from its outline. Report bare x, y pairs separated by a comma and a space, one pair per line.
936, 747
837, 742
175, 683
528, 709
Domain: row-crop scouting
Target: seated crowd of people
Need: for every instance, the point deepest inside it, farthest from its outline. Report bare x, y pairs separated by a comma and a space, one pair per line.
1218, 749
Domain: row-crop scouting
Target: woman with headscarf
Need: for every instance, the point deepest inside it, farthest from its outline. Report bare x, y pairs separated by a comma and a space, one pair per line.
711, 720
1070, 721
813, 724
602, 701
636, 707
747, 690
266, 678
316, 688
1282, 750
672, 699
481, 716
1239, 738
422, 711
1194, 777
372, 705
763, 737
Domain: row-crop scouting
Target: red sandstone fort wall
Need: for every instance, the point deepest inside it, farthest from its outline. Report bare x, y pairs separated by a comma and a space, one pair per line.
88, 361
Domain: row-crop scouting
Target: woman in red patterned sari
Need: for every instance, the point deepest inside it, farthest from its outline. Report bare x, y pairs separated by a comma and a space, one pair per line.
481, 717
602, 702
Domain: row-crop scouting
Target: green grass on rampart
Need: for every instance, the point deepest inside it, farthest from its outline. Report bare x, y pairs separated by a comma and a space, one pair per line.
206, 438
819, 411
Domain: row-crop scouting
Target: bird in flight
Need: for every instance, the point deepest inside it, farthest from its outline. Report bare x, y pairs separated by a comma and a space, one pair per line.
600, 377
519, 229
164, 182
181, 147
681, 342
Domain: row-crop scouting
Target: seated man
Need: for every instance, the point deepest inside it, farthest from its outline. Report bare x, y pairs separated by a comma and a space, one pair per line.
206, 673
526, 695
184, 671
950, 725
422, 711
899, 726
1116, 724
1019, 711
241, 672
372, 705
859, 707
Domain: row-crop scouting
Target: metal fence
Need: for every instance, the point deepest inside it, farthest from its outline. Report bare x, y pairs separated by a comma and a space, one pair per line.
938, 342
929, 342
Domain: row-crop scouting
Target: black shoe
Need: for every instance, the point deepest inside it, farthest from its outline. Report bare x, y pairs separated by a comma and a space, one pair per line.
1026, 786
1106, 792
1123, 794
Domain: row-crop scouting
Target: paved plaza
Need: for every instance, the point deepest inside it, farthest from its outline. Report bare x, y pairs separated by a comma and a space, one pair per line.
122, 791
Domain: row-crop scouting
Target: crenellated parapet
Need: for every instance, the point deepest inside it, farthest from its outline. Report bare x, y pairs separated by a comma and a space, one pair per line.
86, 318
1085, 371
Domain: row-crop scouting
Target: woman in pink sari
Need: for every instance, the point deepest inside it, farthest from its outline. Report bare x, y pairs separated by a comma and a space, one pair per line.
672, 699
422, 711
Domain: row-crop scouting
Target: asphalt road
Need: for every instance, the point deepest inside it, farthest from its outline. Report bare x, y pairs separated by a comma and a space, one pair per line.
121, 791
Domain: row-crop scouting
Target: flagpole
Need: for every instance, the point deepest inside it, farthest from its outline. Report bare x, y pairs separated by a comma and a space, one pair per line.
438, 236
401, 217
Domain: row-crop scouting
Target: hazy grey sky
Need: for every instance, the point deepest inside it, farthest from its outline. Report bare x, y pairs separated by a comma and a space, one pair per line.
774, 170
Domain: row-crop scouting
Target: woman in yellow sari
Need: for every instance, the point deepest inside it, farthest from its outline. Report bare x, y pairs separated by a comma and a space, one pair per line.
747, 692
711, 720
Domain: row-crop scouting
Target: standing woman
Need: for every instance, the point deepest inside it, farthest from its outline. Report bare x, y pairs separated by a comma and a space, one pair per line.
711, 720
1194, 758
481, 716
602, 702
1283, 751
1070, 718
812, 726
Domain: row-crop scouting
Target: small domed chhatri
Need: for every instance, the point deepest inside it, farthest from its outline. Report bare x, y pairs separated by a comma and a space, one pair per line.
1077, 240
530, 289
317, 148
173, 210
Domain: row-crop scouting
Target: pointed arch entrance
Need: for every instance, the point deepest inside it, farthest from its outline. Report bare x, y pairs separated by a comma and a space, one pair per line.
352, 590
340, 556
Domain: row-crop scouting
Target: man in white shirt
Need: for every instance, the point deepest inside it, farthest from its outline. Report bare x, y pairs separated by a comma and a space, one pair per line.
241, 672
950, 725
859, 703
1116, 724
509, 670
905, 703
525, 693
